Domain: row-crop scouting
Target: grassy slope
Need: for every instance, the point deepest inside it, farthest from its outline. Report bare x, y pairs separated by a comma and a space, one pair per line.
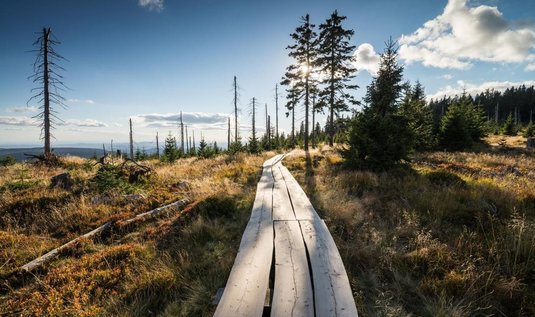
449, 235
169, 266
452, 235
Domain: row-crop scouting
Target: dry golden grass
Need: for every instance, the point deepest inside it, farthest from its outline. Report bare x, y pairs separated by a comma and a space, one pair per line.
453, 234
163, 266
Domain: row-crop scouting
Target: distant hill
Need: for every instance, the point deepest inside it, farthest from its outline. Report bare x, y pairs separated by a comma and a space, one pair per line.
18, 153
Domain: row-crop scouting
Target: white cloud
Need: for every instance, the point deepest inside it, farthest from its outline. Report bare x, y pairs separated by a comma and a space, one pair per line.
367, 59
473, 89
463, 34
530, 67
18, 121
28, 121
152, 5
90, 123
197, 120
87, 101
447, 77
23, 109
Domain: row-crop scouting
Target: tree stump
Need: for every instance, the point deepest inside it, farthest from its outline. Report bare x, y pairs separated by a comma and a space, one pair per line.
63, 180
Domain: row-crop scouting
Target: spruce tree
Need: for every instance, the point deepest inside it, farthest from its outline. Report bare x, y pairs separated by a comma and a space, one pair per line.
380, 136
530, 130
298, 76
509, 127
420, 116
170, 151
204, 151
462, 126
335, 61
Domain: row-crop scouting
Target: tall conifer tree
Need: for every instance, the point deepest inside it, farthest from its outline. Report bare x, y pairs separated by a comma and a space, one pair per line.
335, 63
298, 76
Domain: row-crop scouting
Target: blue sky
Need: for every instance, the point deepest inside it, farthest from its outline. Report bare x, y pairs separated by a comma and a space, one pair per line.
150, 59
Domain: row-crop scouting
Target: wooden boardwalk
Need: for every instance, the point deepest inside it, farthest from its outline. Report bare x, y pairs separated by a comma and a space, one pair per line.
287, 248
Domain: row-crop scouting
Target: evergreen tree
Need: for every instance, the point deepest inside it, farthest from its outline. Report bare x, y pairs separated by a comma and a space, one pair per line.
530, 130
420, 116
462, 125
335, 59
299, 75
170, 151
204, 151
380, 135
509, 127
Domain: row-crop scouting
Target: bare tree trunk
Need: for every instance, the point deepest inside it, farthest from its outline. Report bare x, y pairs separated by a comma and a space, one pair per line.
276, 112
157, 146
314, 121
306, 113
254, 128
228, 135
193, 144
103, 150
188, 147
235, 110
181, 134
131, 142
266, 120
269, 132
46, 96
293, 124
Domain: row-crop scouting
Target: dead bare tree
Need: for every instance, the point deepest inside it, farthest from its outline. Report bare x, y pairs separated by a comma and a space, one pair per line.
46, 74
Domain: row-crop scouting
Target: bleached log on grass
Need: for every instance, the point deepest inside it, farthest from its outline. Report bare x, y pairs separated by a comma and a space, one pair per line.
154, 212
141, 217
54, 253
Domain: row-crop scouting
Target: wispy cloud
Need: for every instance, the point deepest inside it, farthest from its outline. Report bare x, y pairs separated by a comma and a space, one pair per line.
197, 120
28, 121
86, 101
447, 77
89, 123
152, 5
18, 121
23, 109
462, 35
367, 59
530, 67
473, 89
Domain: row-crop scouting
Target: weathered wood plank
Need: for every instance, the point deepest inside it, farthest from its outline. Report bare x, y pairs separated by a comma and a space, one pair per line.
292, 294
332, 292
282, 207
303, 209
246, 286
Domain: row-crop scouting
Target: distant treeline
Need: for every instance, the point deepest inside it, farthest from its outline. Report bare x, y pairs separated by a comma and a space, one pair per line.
519, 102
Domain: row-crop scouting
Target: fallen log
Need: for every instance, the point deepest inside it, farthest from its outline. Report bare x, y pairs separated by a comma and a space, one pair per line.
153, 213
54, 253
140, 217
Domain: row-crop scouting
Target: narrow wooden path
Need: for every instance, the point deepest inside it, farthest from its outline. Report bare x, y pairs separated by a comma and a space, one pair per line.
286, 255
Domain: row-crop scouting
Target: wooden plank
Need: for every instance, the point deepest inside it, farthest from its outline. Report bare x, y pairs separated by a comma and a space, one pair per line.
282, 207
293, 294
303, 209
332, 292
246, 286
